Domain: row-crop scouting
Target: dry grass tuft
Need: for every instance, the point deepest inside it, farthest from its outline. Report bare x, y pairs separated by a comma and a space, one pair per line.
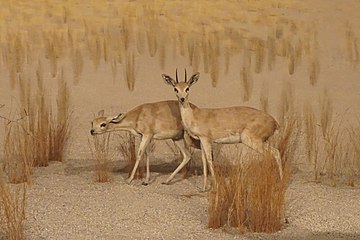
246, 76
60, 124
12, 207
259, 47
354, 135
314, 71
100, 152
286, 104
40, 135
78, 65
271, 54
331, 138
326, 112
352, 47
311, 138
18, 153
214, 58
130, 71
249, 197
264, 98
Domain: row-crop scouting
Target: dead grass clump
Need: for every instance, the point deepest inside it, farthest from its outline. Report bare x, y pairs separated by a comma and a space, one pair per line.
78, 65
331, 162
326, 112
12, 207
130, 71
100, 152
314, 69
291, 58
259, 47
214, 57
246, 76
60, 124
264, 97
14, 56
286, 104
354, 135
54, 49
41, 134
271, 53
249, 197
352, 47
311, 138
18, 153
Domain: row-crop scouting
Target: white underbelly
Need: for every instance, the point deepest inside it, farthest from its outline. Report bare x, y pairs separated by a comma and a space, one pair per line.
228, 139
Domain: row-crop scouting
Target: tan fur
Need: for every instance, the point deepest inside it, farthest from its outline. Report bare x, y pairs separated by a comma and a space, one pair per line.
158, 120
224, 125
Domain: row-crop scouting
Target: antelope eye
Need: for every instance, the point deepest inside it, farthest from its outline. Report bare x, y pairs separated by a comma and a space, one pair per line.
103, 125
177, 91
187, 90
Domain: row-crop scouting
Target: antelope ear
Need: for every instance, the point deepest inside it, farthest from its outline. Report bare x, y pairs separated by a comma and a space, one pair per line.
194, 78
101, 113
169, 80
118, 118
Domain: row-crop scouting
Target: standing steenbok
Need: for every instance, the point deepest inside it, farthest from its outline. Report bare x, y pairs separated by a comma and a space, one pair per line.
158, 120
239, 124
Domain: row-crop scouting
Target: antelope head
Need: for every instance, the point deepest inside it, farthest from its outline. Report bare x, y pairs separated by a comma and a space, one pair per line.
181, 88
102, 124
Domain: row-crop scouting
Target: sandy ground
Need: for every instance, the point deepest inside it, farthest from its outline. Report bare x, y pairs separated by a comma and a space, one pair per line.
64, 202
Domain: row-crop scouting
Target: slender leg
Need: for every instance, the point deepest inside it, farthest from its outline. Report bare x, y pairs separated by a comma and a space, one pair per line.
145, 140
147, 156
186, 158
260, 147
203, 158
207, 158
275, 152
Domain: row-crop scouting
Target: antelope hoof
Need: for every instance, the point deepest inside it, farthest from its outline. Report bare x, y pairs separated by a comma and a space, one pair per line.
205, 189
145, 183
165, 183
128, 181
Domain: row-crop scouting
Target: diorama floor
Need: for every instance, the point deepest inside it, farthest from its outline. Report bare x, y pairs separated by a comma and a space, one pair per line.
65, 202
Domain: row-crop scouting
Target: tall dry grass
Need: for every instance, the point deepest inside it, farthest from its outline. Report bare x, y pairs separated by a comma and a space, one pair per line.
60, 128
100, 151
311, 138
249, 196
129, 71
12, 209
352, 47
41, 134
246, 76
18, 154
286, 103
354, 166
264, 97
247, 193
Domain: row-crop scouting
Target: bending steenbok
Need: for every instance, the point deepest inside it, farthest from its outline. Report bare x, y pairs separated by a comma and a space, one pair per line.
158, 120
239, 124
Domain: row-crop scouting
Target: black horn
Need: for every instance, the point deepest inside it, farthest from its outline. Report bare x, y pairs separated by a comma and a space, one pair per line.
177, 78
185, 75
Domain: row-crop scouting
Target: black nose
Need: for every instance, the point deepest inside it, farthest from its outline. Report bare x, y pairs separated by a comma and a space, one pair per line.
182, 99
92, 132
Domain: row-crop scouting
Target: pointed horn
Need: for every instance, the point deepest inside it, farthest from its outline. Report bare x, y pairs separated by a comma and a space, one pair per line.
185, 75
177, 78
